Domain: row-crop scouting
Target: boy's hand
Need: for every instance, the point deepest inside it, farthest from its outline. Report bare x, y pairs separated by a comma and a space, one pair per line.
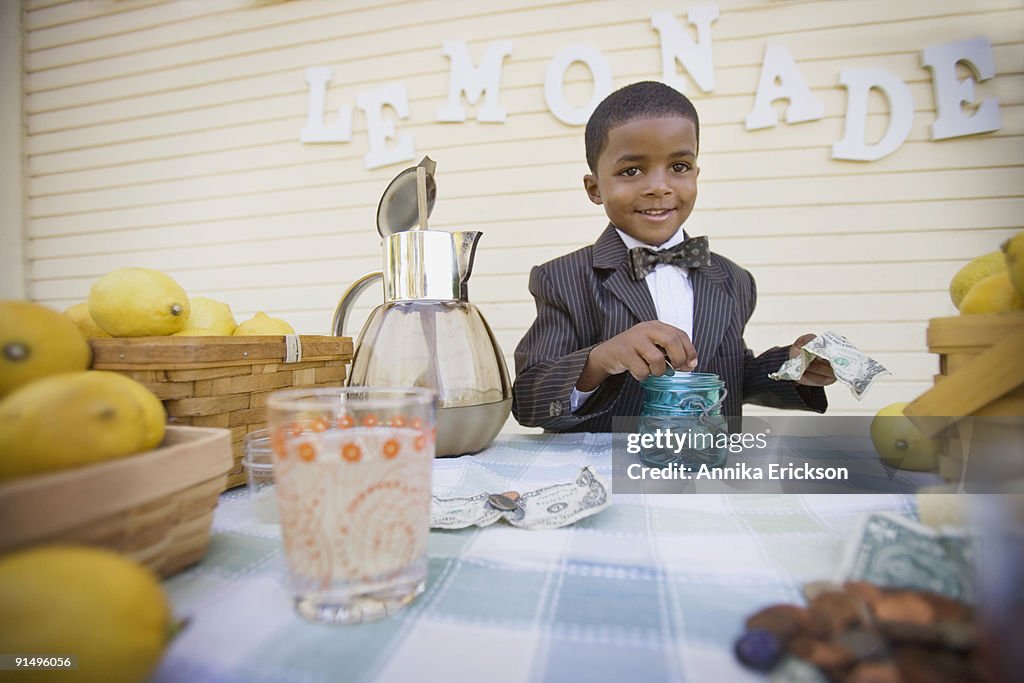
819, 373
641, 351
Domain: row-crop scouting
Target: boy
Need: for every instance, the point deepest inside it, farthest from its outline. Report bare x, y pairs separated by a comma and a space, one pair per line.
630, 305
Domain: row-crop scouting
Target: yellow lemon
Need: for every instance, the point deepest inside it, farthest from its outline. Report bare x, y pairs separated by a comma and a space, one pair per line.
68, 420
35, 342
197, 332
976, 270
1013, 248
79, 314
261, 323
108, 611
994, 294
138, 302
900, 443
154, 417
213, 315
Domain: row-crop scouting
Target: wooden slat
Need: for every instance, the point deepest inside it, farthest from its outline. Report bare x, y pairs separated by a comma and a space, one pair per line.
178, 353
994, 373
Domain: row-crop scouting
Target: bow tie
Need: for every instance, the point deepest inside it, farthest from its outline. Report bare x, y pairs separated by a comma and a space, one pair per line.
691, 253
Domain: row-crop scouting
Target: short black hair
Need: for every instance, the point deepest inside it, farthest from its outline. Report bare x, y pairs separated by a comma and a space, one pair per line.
642, 100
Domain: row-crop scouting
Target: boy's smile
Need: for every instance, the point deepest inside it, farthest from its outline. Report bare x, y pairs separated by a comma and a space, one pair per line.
646, 177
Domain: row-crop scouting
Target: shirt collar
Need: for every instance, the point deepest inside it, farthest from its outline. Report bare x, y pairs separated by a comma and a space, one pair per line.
632, 242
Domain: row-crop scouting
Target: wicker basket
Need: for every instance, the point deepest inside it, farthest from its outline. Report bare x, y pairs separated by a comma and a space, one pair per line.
154, 507
224, 381
981, 374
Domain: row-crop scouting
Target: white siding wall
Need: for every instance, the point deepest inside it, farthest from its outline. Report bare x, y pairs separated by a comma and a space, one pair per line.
164, 134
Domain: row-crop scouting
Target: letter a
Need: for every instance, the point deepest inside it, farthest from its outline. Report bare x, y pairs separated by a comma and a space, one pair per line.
781, 80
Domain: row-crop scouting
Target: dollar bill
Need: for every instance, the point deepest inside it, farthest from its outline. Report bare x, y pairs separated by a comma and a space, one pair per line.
893, 551
550, 507
852, 367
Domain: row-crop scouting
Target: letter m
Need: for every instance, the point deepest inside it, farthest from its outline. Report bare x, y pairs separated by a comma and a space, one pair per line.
474, 81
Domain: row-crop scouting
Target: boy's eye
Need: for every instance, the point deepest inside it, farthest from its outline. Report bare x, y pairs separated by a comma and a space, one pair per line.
680, 167
631, 171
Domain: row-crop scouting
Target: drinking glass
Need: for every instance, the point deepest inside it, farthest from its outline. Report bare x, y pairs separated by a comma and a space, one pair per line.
352, 469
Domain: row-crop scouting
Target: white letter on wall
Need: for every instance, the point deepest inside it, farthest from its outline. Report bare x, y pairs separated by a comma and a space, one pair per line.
781, 80
677, 45
951, 93
554, 80
379, 128
474, 81
859, 83
315, 130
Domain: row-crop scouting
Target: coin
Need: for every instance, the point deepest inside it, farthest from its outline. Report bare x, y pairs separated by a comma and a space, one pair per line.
758, 649
863, 643
903, 606
815, 588
505, 502
874, 672
862, 590
830, 656
785, 621
832, 612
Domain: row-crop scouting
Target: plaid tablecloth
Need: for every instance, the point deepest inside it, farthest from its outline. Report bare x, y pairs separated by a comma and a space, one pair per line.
654, 588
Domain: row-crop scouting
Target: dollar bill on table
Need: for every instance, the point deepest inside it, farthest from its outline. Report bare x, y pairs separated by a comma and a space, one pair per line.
550, 507
893, 551
852, 367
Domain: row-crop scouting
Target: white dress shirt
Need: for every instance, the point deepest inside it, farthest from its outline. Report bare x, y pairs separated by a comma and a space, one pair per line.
671, 290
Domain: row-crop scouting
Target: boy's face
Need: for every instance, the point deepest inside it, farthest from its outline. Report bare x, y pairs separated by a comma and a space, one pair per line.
646, 177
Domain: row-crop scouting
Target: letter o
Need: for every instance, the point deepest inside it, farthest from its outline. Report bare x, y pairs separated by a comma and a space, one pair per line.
554, 82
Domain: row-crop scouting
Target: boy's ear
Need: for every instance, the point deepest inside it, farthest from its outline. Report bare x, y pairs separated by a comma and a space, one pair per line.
590, 185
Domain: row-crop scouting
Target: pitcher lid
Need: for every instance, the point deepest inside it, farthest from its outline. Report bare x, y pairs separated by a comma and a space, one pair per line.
398, 210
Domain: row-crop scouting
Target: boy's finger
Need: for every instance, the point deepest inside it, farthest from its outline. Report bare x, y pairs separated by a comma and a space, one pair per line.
654, 356
680, 351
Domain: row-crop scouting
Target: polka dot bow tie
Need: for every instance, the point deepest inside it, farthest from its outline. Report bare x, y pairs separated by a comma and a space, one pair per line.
691, 253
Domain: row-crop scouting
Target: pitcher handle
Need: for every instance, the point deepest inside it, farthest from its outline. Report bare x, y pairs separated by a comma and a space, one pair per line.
345, 304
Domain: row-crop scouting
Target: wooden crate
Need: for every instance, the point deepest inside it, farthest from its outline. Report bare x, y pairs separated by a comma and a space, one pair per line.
154, 507
224, 381
981, 375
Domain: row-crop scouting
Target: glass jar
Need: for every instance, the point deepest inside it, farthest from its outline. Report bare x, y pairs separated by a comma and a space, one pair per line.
683, 412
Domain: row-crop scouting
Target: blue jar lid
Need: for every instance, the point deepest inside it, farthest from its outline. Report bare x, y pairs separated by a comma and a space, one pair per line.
683, 380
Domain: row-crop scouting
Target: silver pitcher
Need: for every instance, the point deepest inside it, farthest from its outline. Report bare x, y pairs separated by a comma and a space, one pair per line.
427, 333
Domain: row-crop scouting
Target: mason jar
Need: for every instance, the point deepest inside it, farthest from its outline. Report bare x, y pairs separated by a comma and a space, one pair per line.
687, 405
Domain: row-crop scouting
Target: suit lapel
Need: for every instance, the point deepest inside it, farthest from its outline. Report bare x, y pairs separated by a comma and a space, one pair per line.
610, 254
712, 308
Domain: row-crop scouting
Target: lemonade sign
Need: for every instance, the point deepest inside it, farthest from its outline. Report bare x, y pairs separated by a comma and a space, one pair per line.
958, 111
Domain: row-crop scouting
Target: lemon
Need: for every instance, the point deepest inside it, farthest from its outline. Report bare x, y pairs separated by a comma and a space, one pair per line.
35, 342
138, 302
79, 314
213, 315
1013, 248
68, 420
108, 611
994, 294
976, 270
154, 417
900, 443
197, 332
261, 323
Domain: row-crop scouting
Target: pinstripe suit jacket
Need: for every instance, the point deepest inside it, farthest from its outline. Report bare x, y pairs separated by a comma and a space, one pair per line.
589, 296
